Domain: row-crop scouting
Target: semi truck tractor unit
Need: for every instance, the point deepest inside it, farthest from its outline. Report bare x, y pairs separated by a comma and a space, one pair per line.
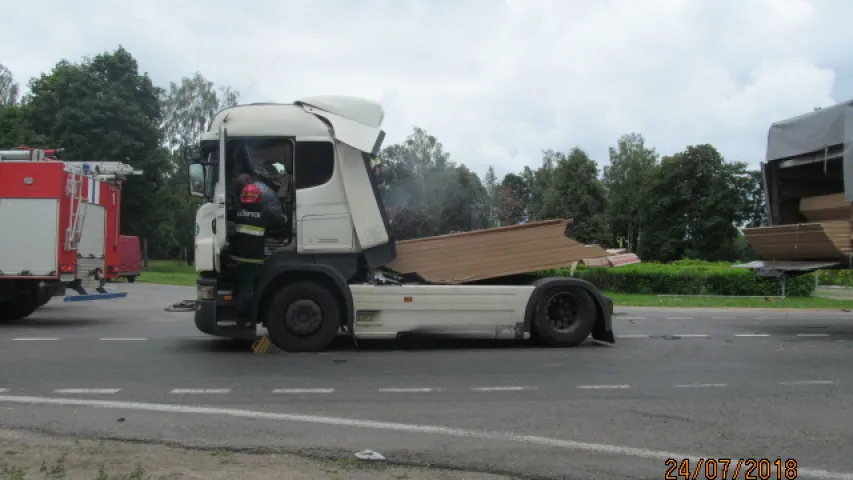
326, 273
60, 222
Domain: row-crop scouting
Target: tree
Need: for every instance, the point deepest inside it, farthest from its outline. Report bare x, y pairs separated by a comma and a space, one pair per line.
692, 207
576, 192
490, 183
189, 107
9, 89
627, 180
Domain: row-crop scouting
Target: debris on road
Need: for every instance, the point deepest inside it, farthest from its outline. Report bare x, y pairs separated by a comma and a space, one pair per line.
265, 345
369, 455
182, 306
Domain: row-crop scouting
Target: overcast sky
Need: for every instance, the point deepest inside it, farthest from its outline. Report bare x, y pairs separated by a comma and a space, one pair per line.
496, 81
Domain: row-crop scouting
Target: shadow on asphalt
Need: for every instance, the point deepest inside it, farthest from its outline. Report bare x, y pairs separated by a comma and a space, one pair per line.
406, 343
41, 322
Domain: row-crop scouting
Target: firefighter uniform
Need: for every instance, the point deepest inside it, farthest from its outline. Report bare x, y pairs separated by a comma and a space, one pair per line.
247, 244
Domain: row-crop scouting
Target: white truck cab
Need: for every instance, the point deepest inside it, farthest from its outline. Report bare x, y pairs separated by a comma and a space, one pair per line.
314, 284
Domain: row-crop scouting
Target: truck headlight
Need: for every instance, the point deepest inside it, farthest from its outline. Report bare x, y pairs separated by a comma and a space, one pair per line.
206, 292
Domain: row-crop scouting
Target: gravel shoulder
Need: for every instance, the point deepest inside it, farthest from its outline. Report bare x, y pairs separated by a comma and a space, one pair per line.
26, 455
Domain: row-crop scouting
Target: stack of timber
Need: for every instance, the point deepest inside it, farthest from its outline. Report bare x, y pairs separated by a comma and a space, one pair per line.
827, 235
492, 253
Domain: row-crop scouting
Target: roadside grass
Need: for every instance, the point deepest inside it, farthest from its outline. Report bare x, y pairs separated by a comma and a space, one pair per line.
58, 471
168, 272
698, 301
171, 272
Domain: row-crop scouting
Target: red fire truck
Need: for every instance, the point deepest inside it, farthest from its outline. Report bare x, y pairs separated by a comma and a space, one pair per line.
60, 222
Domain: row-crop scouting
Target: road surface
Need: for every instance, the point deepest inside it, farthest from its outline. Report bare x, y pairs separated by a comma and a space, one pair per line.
711, 385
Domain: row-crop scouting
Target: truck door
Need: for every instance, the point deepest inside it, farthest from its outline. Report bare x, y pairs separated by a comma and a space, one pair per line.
221, 200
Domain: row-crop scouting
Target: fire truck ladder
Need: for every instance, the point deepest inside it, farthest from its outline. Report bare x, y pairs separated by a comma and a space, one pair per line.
102, 171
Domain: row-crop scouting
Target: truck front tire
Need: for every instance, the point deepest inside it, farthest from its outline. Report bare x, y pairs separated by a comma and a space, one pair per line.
303, 317
564, 317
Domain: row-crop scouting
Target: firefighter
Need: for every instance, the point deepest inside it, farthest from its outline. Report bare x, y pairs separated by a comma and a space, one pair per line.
255, 216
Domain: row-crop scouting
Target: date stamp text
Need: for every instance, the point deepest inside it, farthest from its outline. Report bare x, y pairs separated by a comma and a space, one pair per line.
731, 469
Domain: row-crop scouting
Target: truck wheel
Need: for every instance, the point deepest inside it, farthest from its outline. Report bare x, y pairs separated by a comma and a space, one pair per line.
303, 317
18, 309
131, 279
564, 317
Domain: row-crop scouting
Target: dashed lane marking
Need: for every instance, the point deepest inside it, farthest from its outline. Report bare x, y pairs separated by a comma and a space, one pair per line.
812, 334
4, 390
808, 382
409, 390
88, 391
201, 391
486, 435
700, 385
303, 390
632, 318
752, 335
36, 339
123, 339
633, 335
596, 387
679, 318
503, 389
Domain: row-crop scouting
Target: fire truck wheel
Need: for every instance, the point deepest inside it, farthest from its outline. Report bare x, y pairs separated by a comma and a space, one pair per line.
303, 317
18, 309
564, 317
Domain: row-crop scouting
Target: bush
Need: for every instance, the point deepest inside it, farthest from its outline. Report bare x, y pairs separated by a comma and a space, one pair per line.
689, 277
836, 277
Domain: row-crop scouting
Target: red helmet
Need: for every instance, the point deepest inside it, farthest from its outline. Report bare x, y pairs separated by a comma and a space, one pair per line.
251, 193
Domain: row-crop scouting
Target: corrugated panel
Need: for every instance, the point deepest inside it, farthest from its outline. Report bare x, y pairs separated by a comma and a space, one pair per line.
490, 253
802, 241
826, 207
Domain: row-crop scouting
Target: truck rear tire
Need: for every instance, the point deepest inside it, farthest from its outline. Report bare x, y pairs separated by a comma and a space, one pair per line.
303, 317
564, 317
18, 309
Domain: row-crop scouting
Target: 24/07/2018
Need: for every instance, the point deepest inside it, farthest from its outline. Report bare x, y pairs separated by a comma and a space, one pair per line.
731, 469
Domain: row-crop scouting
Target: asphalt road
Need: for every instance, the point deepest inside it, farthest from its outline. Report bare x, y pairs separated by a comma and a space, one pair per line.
719, 384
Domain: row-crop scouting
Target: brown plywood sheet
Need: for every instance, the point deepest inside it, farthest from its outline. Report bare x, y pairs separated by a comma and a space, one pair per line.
491, 253
803, 241
826, 207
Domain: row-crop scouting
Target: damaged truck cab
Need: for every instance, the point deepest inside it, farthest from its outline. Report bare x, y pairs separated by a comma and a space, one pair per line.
319, 278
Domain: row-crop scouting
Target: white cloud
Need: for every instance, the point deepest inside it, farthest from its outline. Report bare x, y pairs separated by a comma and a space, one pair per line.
495, 81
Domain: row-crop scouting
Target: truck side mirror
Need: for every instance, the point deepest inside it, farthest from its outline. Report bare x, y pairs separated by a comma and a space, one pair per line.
197, 179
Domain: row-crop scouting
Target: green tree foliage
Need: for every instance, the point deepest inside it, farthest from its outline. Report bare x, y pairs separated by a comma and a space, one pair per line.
627, 179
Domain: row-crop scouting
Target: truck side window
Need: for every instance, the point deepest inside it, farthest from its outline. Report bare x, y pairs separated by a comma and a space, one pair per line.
314, 164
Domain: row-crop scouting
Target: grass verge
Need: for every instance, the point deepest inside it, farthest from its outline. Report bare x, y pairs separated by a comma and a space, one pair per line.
169, 272
640, 300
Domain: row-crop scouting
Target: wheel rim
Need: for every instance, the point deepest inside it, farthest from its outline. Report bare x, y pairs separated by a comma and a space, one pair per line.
562, 312
303, 317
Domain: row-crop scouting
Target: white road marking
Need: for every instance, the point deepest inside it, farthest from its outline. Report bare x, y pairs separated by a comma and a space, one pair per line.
700, 385
812, 334
123, 339
679, 318
502, 389
87, 391
632, 318
603, 386
36, 339
408, 390
181, 391
808, 382
752, 335
495, 436
633, 335
303, 390
4, 390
